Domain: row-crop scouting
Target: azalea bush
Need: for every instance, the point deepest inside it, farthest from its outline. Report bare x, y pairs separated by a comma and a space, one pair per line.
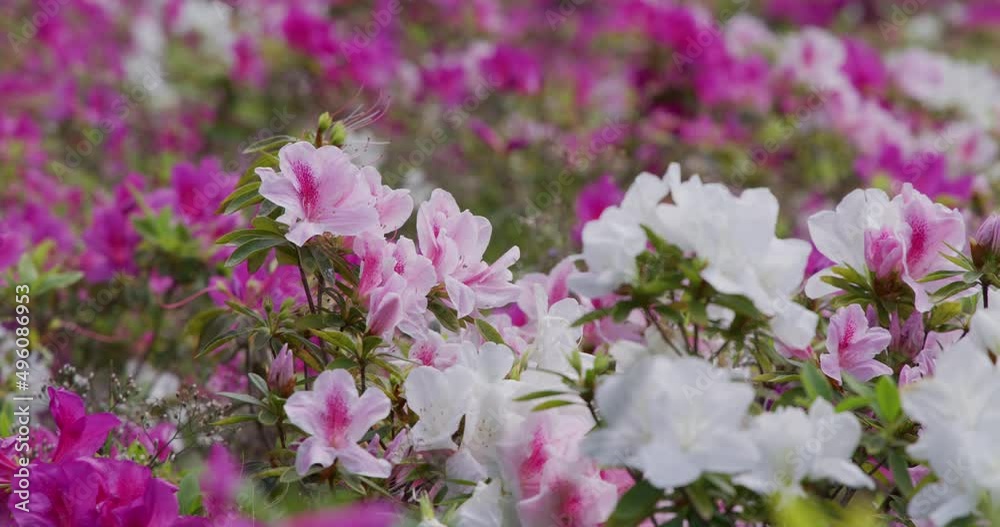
291, 264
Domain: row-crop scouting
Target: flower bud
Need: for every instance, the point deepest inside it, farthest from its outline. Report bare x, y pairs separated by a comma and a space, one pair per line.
883, 253
987, 241
281, 374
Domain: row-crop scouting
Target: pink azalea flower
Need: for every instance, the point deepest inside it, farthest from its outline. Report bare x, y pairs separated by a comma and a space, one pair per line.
904, 237
433, 350
554, 484
455, 241
80, 435
321, 191
852, 346
335, 418
394, 206
883, 253
281, 373
930, 228
396, 281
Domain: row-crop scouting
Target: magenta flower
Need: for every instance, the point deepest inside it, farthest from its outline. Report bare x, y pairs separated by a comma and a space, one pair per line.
279, 284
321, 191
335, 418
99, 491
80, 435
594, 197
111, 243
513, 69
852, 346
220, 483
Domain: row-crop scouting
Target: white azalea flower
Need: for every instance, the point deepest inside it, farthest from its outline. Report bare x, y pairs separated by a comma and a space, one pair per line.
555, 335
442, 398
959, 410
674, 419
489, 506
796, 446
735, 235
611, 242
840, 234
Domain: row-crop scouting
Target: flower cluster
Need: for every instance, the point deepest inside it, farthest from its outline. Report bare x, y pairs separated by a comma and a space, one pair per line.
231, 312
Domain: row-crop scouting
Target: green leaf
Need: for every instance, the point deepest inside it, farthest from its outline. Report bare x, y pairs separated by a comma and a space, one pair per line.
939, 275
943, 313
857, 386
242, 398
318, 321
239, 236
852, 403
593, 316
701, 501
218, 341
275, 472
898, 466
235, 420
305, 356
258, 382
657, 242
371, 342
266, 418
241, 198
547, 405
489, 332
887, 397
289, 476
738, 303
189, 495
445, 315
815, 383
339, 339
950, 290
255, 261
264, 223
269, 144
638, 504
251, 247
539, 394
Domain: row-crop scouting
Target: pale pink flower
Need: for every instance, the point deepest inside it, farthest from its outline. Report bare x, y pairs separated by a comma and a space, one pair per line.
396, 280
928, 229
432, 350
455, 241
906, 235
336, 419
394, 206
321, 191
852, 346
281, 373
552, 482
